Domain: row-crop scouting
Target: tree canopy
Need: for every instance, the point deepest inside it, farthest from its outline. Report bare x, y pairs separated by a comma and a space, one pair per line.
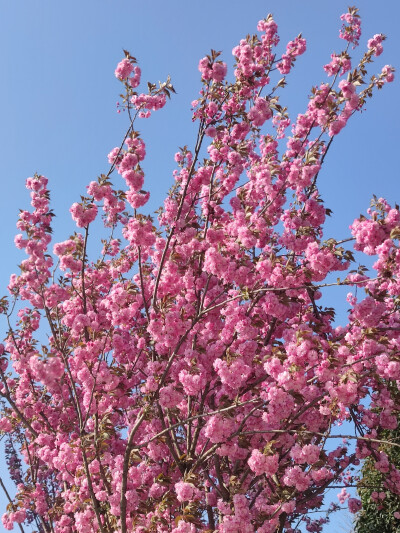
188, 377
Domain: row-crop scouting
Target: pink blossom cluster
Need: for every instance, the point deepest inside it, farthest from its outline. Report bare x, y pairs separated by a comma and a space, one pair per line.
83, 215
263, 464
294, 49
186, 491
351, 29
148, 102
375, 44
124, 70
254, 62
388, 73
215, 71
259, 113
339, 64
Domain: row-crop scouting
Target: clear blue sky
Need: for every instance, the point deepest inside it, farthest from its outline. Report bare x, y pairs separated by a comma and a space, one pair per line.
58, 97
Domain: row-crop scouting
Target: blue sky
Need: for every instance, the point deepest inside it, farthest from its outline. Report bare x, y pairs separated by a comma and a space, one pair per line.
58, 97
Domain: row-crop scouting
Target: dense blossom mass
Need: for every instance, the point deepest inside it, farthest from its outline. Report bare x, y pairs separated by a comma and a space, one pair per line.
188, 379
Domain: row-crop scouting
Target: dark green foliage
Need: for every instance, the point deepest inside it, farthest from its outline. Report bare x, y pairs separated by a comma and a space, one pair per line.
378, 517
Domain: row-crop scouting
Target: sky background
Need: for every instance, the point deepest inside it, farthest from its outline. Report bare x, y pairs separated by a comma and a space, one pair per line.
58, 99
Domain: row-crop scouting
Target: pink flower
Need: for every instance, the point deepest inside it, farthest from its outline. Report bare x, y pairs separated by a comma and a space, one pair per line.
355, 505
351, 29
260, 112
211, 131
375, 44
83, 215
343, 495
137, 199
388, 73
5, 425
295, 477
219, 70
169, 397
134, 179
368, 312
124, 68
184, 527
263, 464
337, 126
186, 491
205, 68
218, 429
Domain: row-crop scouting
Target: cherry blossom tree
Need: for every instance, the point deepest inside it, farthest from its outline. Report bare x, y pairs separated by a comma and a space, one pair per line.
187, 378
